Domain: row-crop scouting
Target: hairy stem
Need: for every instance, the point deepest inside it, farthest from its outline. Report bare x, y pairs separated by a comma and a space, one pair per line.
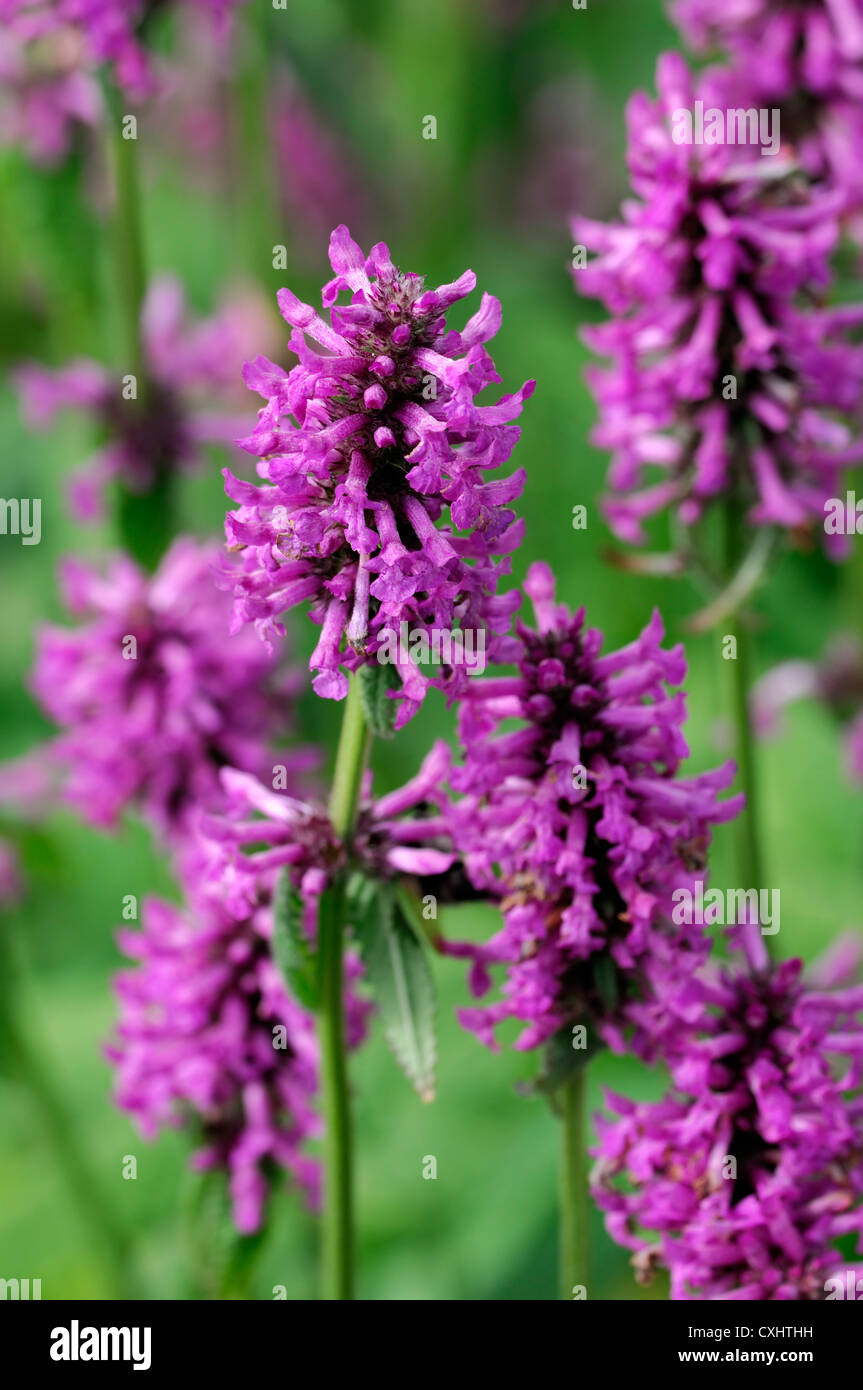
128, 239
145, 520
749, 856
574, 1202
337, 1254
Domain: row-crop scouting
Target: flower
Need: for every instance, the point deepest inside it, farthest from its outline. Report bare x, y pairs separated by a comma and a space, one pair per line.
206, 1025
808, 58
109, 31
47, 92
207, 1029
295, 833
577, 822
152, 695
364, 445
190, 368
813, 43
836, 681
727, 374
743, 1177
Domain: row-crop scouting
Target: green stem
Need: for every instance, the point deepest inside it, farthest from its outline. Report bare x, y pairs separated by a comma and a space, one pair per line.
351, 760
145, 520
748, 839
97, 1217
337, 1254
749, 856
128, 239
574, 1203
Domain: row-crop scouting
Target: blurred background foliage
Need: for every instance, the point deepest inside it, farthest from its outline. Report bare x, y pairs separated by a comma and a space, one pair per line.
528, 98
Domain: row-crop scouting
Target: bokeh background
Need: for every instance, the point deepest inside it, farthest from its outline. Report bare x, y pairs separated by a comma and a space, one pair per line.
528, 98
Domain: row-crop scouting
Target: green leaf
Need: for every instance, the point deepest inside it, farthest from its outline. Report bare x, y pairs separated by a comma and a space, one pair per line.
407, 897
293, 953
210, 1232
398, 971
380, 711
223, 1261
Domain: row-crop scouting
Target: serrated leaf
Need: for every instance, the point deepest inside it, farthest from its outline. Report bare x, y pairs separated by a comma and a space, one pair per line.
291, 949
211, 1231
223, 1259
379, 710
399, 974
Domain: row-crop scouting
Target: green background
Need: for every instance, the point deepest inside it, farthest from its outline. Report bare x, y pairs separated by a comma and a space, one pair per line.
485, 1228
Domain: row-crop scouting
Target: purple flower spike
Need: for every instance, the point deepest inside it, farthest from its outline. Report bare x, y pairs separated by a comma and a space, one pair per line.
206, 1028
206, 1024
743, 1178
107, 30
152, 694
577, 822
47, 93
724, 381
804, 58
364, 445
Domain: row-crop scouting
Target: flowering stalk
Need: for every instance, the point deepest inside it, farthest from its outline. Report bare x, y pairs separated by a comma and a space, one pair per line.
749, 860
144, 521
128, 241
337, 1247
574, 1194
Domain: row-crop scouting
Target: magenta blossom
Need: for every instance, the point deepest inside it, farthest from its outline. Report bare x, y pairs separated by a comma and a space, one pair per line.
743, 1178
365, 445
109, 30
151, 693
403, 833
577, 822
191, 368
805, 58
208, 1030
727, 378
47, 93
206, 1024
816, 45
